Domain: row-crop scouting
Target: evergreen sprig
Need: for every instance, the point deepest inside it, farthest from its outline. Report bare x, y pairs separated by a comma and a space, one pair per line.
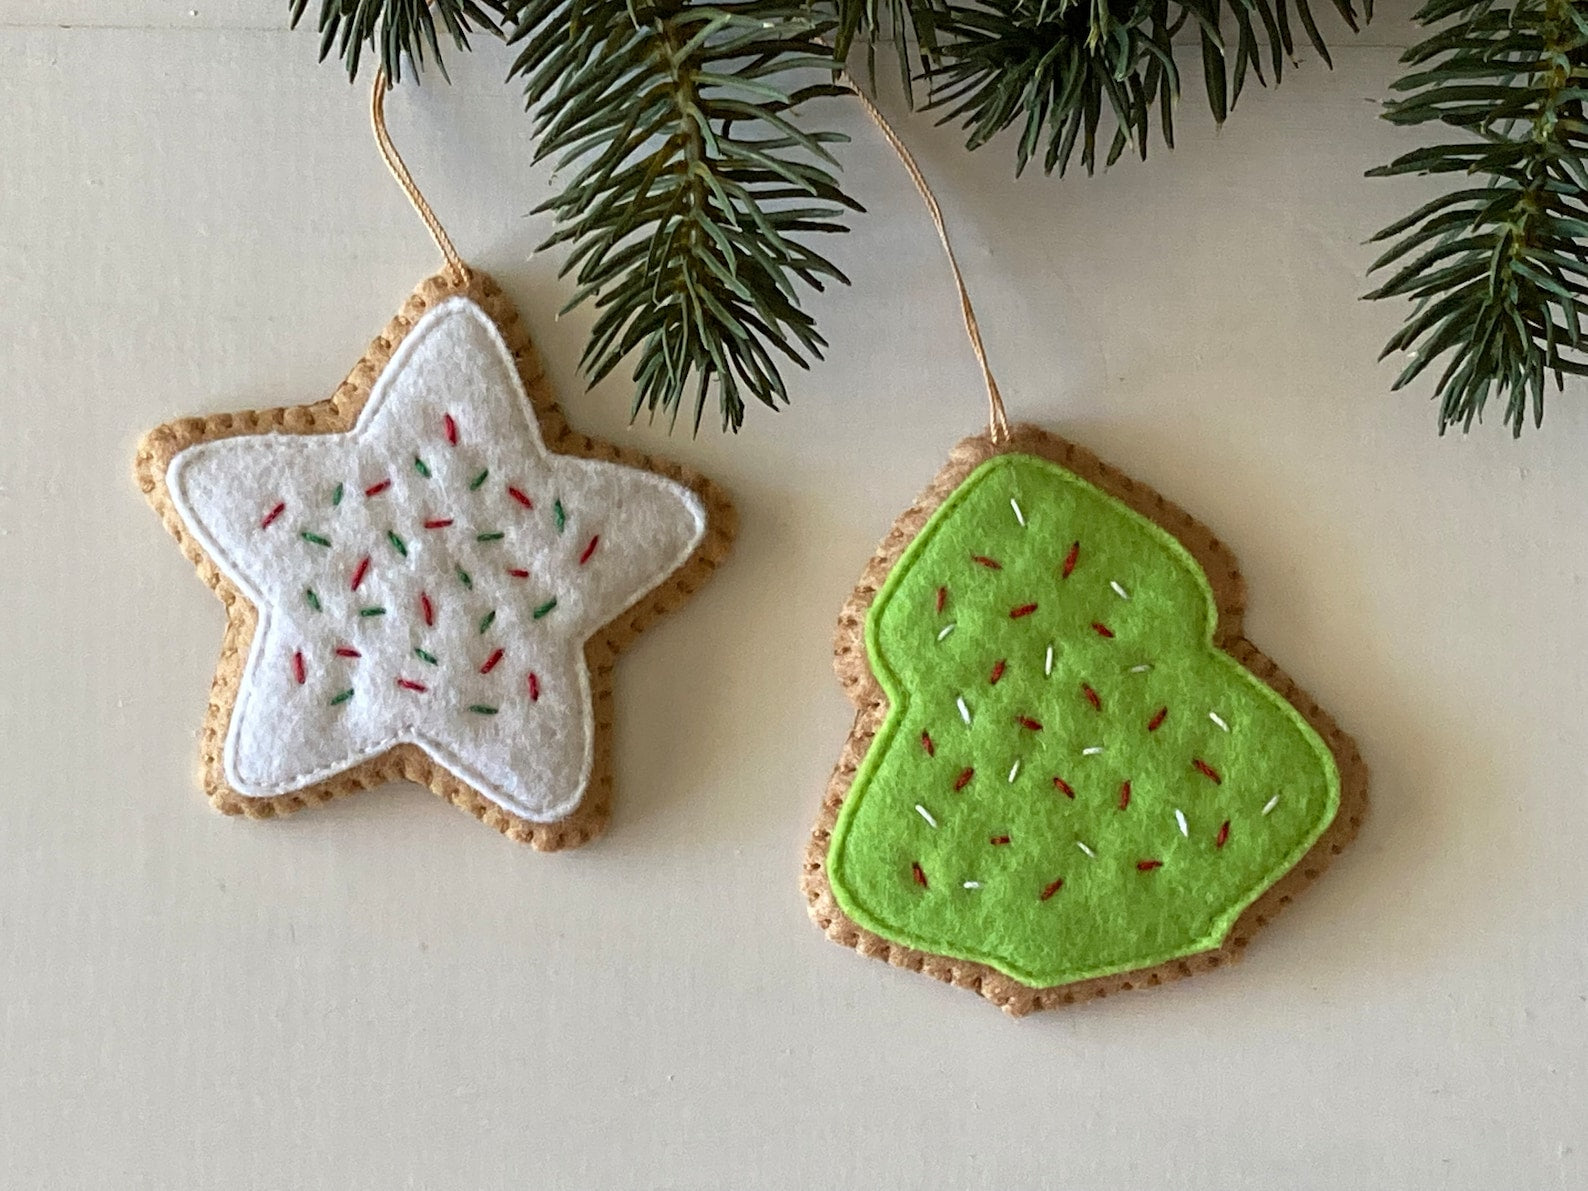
691, 184
402, 30
687, 190
1497, 270
904, 25
1054, 69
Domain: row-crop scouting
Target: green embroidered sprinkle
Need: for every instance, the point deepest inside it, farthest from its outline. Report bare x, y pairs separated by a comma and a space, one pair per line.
545, 608
463, 577
487, 620
421, 467
478, 480
314, 600
489, 537
397, 543
343, 697
372, 612
336, 496
315, 538
478, 708
425, 656
559, 514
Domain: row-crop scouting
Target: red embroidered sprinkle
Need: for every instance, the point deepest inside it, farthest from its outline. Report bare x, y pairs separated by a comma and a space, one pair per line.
926, 743
1124, 794
1146, 866
534, 688
997, 672
359, 572
589, 550
438, 523
963, 779
490, 662
992, 564
297, 666
942, 597
1223, 835
1071, 559
1102, 630
918, 873
409, 684
427, 609
347, 651
1052, 889
273, 514
1060, 784
377, 489
520, 497
518, 572
1092, 697
1206, 770
1023, 610
1029, 724
451, 428
998, 839
1157, 719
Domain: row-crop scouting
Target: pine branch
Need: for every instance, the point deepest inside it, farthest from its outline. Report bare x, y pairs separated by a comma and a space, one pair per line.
402, 30
687, 192
1054, 68
906, 25
1496, 271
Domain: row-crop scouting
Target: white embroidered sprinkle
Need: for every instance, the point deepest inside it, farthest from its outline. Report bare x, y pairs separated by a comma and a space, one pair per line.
945, 630
1047, 664
1092, 751
1141, 669
1019, 516
1118, 590
1179, 817
1085, 849
1219, 720
926, 814
1014, 771
1272, 803
964, 712
972, 884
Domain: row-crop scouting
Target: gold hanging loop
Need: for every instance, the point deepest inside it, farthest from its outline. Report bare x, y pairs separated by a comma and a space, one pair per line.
997, 419
394, 162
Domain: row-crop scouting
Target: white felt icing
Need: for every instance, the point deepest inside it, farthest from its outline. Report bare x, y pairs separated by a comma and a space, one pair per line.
477, 716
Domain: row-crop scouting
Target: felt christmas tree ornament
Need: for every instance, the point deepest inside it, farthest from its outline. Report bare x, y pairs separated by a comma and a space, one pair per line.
428, 575
1069, 773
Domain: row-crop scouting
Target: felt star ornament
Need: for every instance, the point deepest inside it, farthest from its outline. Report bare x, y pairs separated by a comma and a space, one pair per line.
427, 576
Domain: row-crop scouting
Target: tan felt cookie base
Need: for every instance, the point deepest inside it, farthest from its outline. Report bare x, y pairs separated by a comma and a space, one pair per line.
854, 672
408, 761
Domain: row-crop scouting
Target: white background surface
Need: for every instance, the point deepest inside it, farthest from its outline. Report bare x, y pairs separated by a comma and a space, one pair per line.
384, 994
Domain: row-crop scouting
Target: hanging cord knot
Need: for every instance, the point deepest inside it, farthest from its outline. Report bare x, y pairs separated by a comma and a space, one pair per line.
394, 163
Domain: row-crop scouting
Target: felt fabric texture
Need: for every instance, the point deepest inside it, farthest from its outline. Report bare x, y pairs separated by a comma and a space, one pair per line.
1060, 817
437, 562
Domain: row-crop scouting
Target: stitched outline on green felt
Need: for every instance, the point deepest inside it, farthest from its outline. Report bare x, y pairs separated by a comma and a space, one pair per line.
1316, 807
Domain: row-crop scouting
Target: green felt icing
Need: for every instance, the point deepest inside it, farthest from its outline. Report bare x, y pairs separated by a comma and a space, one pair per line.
1278, 787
